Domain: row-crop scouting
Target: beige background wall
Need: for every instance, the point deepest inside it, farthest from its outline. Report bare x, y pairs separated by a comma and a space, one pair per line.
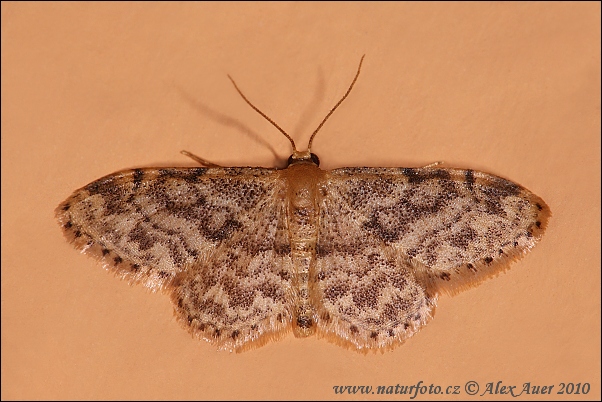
87, 89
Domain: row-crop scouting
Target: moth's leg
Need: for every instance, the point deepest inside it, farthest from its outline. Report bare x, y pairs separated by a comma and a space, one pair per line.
430, 165
200, 160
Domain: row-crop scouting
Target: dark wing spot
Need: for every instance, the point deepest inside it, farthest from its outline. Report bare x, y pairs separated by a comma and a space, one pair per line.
469, 179
441, 174
463, 238
304, 321
387, 233
505, 188
189, 175
417, 176
336, 291
118, 260
413, 176
224, 232
366, 296
194, 174
282, 249
271, 291
138, 175
285, 276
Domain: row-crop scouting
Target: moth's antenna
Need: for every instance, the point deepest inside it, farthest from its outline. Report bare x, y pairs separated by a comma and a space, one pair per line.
359, 68
264, 115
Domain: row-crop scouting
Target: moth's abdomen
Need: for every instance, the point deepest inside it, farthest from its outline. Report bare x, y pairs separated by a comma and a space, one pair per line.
302, 215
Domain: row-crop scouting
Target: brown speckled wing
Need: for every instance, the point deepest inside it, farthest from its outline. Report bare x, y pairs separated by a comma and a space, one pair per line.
215, 238
391, 239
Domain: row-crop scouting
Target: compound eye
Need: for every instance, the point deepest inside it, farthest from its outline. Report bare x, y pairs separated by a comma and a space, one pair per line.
314, 158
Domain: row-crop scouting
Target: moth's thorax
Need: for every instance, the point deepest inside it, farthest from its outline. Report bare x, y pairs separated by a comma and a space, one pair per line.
303, 181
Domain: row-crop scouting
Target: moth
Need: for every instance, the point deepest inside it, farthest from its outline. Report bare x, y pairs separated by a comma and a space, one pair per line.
357, 255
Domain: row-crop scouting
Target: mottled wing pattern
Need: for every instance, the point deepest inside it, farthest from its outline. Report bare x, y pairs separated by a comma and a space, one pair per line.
391, 239
215, 238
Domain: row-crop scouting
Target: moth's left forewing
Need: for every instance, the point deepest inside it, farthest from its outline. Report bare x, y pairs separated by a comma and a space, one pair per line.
147, 225
454, 227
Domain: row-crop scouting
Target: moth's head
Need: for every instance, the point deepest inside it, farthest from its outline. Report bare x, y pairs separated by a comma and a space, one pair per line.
303, 157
